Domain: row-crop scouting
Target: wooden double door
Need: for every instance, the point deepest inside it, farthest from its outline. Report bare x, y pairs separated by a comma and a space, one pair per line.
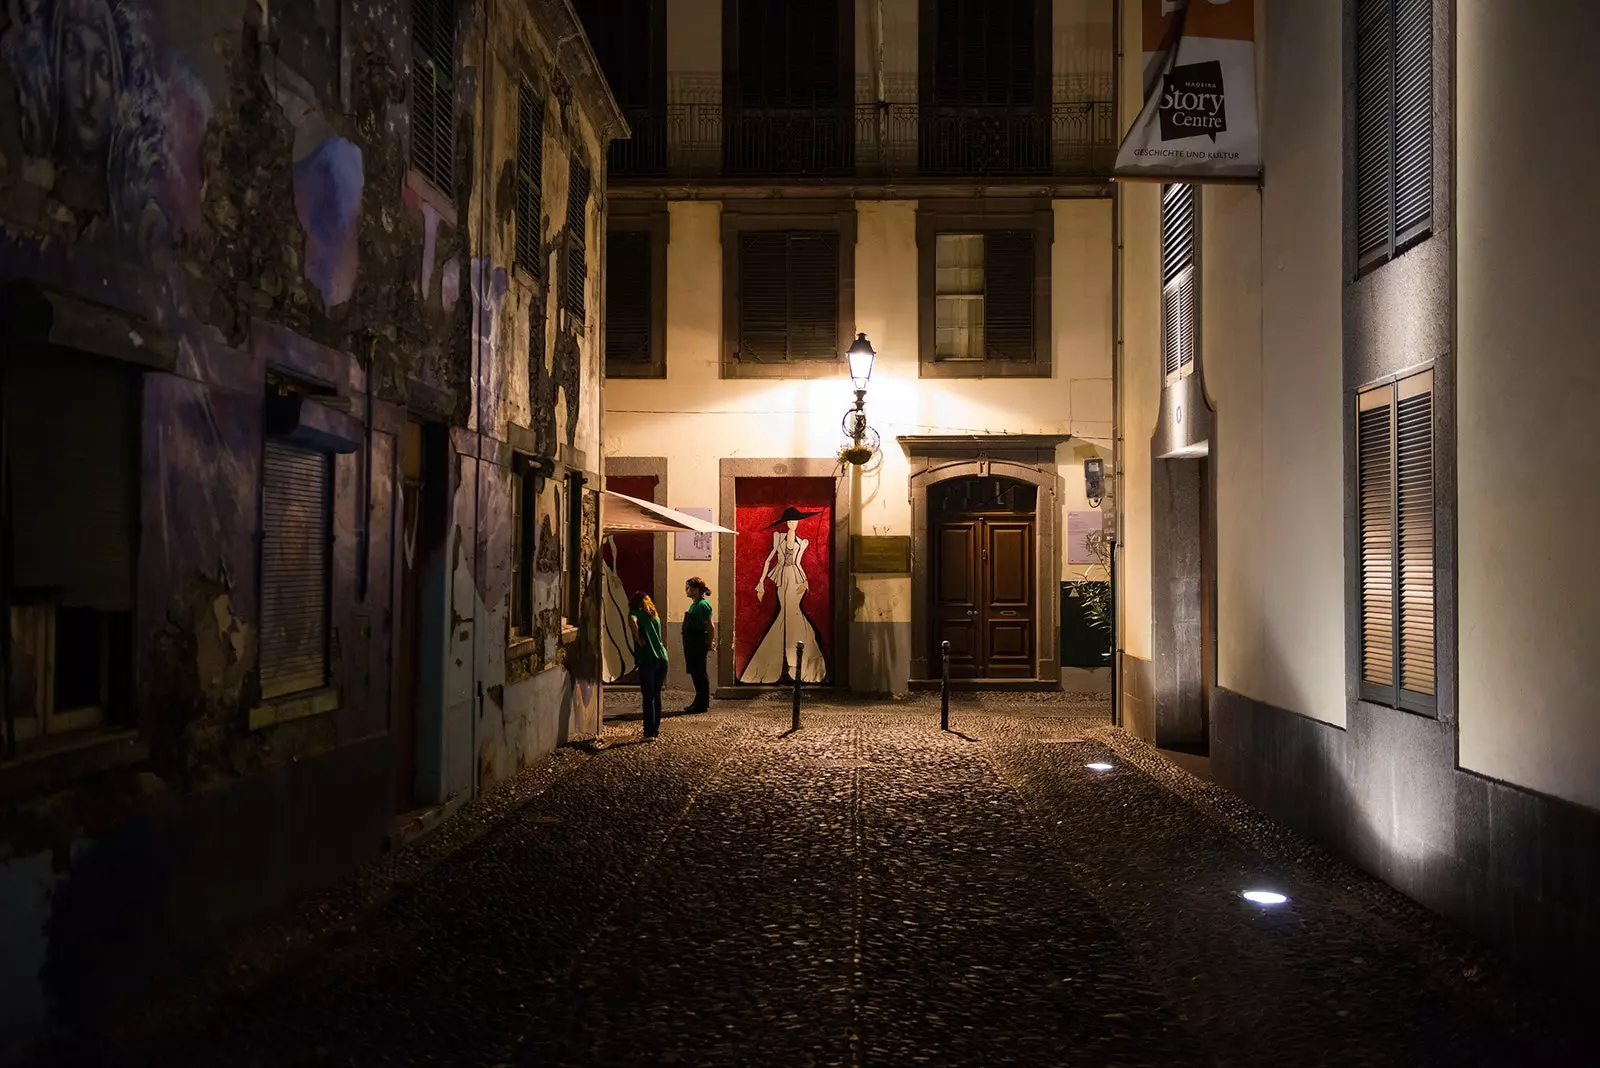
984, 594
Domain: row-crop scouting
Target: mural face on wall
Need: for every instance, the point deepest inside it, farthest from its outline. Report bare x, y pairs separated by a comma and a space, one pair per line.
104, 119
783, 572
628, 563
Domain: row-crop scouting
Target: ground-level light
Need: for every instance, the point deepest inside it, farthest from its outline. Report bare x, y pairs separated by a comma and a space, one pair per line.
1264, 897
1098, 765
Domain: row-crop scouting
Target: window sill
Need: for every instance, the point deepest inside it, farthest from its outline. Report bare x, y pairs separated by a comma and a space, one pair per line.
294, 706
424, 191
733, 367
521, 646
55, 760
569, 633
984, 369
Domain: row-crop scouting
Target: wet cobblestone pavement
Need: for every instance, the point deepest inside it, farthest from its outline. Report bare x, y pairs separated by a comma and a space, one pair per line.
867, 891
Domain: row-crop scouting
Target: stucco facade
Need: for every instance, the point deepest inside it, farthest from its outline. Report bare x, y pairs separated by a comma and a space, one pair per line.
223, 217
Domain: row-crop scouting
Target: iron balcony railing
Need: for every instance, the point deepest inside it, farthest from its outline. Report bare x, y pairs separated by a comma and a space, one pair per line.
705, 141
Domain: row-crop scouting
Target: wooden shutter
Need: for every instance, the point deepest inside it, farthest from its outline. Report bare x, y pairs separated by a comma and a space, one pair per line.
1413, 121
1375, 479
530, 176
1008, 284
1374, 127
295, 507
433, 95
629, 291
788, 295
577, 234
1414, 511
1178, 325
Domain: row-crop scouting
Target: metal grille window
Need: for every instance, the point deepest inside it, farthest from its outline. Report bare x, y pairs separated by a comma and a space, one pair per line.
788, 295
1179, 326
433, 91
577, 236
530, 175
1394, 449
296, 528
630, 292
983, 296
1394, 127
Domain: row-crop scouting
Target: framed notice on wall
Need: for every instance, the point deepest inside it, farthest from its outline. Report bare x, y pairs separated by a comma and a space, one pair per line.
880, 555
1079, 526
690, 546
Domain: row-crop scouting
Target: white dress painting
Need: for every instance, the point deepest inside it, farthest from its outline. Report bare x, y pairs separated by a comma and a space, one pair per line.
616, 648
773, 659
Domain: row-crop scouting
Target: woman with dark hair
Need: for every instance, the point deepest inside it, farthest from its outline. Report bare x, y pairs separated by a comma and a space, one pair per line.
699, 638
650, 654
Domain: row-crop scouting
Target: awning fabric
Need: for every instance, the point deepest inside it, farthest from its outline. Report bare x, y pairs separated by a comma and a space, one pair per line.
618, 512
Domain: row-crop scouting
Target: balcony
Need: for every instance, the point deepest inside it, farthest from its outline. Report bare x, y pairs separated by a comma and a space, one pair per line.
694, 138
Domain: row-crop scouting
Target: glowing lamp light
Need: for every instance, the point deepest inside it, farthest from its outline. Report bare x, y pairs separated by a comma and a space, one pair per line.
1099, 765
861, 357
1264, 897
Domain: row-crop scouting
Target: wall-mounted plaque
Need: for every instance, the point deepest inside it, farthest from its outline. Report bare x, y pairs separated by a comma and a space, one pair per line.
880, 554
691, 546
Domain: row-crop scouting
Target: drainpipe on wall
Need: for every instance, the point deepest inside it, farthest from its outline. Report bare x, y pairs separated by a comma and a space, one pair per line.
1116, 378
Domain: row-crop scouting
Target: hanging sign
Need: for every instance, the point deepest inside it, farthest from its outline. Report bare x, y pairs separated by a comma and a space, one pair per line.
1198, 122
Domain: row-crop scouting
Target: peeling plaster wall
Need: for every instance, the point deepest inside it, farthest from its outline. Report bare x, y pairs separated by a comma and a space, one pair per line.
240, 199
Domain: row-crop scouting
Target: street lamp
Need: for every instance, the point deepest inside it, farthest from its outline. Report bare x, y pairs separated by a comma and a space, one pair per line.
863, 439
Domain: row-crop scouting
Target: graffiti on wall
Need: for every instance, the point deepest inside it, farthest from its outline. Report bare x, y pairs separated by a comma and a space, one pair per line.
110, 125
783, 579
628, 566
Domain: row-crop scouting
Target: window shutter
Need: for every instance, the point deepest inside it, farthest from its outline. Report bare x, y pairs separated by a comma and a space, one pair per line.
530, 175
295, 507
1008, 276
433, 119
577, 226
1414, 494
814, 295
763, 296
1413, 130
1178, 325
1375, 478
1374, 131
628, 297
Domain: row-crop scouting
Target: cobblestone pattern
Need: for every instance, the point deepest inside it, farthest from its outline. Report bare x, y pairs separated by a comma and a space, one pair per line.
867, 891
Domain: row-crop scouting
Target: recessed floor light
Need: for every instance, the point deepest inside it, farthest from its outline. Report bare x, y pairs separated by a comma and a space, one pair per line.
1099, 765
1264, 897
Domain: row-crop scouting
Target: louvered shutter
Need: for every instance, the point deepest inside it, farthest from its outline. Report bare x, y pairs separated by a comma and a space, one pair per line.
1414, 500
814, 295
763, 296
1008, 284
1178, 325
530, 176
629, 291
577, 234
1375, 478
295, 528
1413, 122
433, 67
1374, 127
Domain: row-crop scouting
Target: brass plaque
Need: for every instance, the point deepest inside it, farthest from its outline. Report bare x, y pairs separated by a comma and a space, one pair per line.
880, 555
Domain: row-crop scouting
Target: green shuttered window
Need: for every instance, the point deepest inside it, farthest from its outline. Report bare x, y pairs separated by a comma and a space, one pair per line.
630, 291
530, 176
296, 529
788, 295
577, 273
1394, 450
433, 91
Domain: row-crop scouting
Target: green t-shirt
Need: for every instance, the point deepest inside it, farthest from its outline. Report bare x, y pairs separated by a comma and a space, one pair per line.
697, 625
650, 646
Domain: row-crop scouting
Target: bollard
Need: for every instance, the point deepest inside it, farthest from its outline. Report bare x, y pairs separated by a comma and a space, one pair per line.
799, 650
944, 689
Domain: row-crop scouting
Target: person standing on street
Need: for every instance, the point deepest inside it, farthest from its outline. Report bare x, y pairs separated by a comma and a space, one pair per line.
699, 638
650, 656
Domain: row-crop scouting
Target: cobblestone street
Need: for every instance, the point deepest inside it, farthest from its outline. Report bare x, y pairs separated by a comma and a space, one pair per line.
868, 891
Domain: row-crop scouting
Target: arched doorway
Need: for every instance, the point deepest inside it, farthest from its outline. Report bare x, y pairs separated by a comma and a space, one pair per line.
983, 591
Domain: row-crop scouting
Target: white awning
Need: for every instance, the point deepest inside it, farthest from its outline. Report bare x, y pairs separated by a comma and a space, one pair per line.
620, 512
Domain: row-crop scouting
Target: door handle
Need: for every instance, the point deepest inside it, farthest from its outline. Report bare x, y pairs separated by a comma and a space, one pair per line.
1008, 612
971, 612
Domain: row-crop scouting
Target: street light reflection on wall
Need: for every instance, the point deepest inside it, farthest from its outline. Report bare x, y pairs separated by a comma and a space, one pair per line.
864, 440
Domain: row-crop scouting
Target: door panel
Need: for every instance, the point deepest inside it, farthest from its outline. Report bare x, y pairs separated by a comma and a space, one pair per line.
955, 600
1008, 608
983, 596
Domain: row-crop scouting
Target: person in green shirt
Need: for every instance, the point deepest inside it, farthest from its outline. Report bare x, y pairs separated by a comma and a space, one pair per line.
650, 657
699, 638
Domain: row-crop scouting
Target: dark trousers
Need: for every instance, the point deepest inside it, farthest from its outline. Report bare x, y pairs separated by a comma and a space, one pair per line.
652, 676
695, 660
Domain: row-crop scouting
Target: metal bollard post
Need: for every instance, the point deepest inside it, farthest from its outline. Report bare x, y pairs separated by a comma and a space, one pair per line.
944, 689
799, 650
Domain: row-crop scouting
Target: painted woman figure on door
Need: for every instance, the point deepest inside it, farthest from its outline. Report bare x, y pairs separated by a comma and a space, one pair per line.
617, 646
773, 660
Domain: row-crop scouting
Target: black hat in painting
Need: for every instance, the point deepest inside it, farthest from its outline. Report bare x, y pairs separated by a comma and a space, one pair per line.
789, 513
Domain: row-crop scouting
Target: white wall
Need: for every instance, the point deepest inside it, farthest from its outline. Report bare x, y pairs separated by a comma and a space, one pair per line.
1528, 460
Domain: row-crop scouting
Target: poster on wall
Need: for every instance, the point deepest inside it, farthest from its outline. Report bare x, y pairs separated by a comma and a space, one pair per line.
628, 565
1198, 122
1080, 525
688, 545
783, 575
